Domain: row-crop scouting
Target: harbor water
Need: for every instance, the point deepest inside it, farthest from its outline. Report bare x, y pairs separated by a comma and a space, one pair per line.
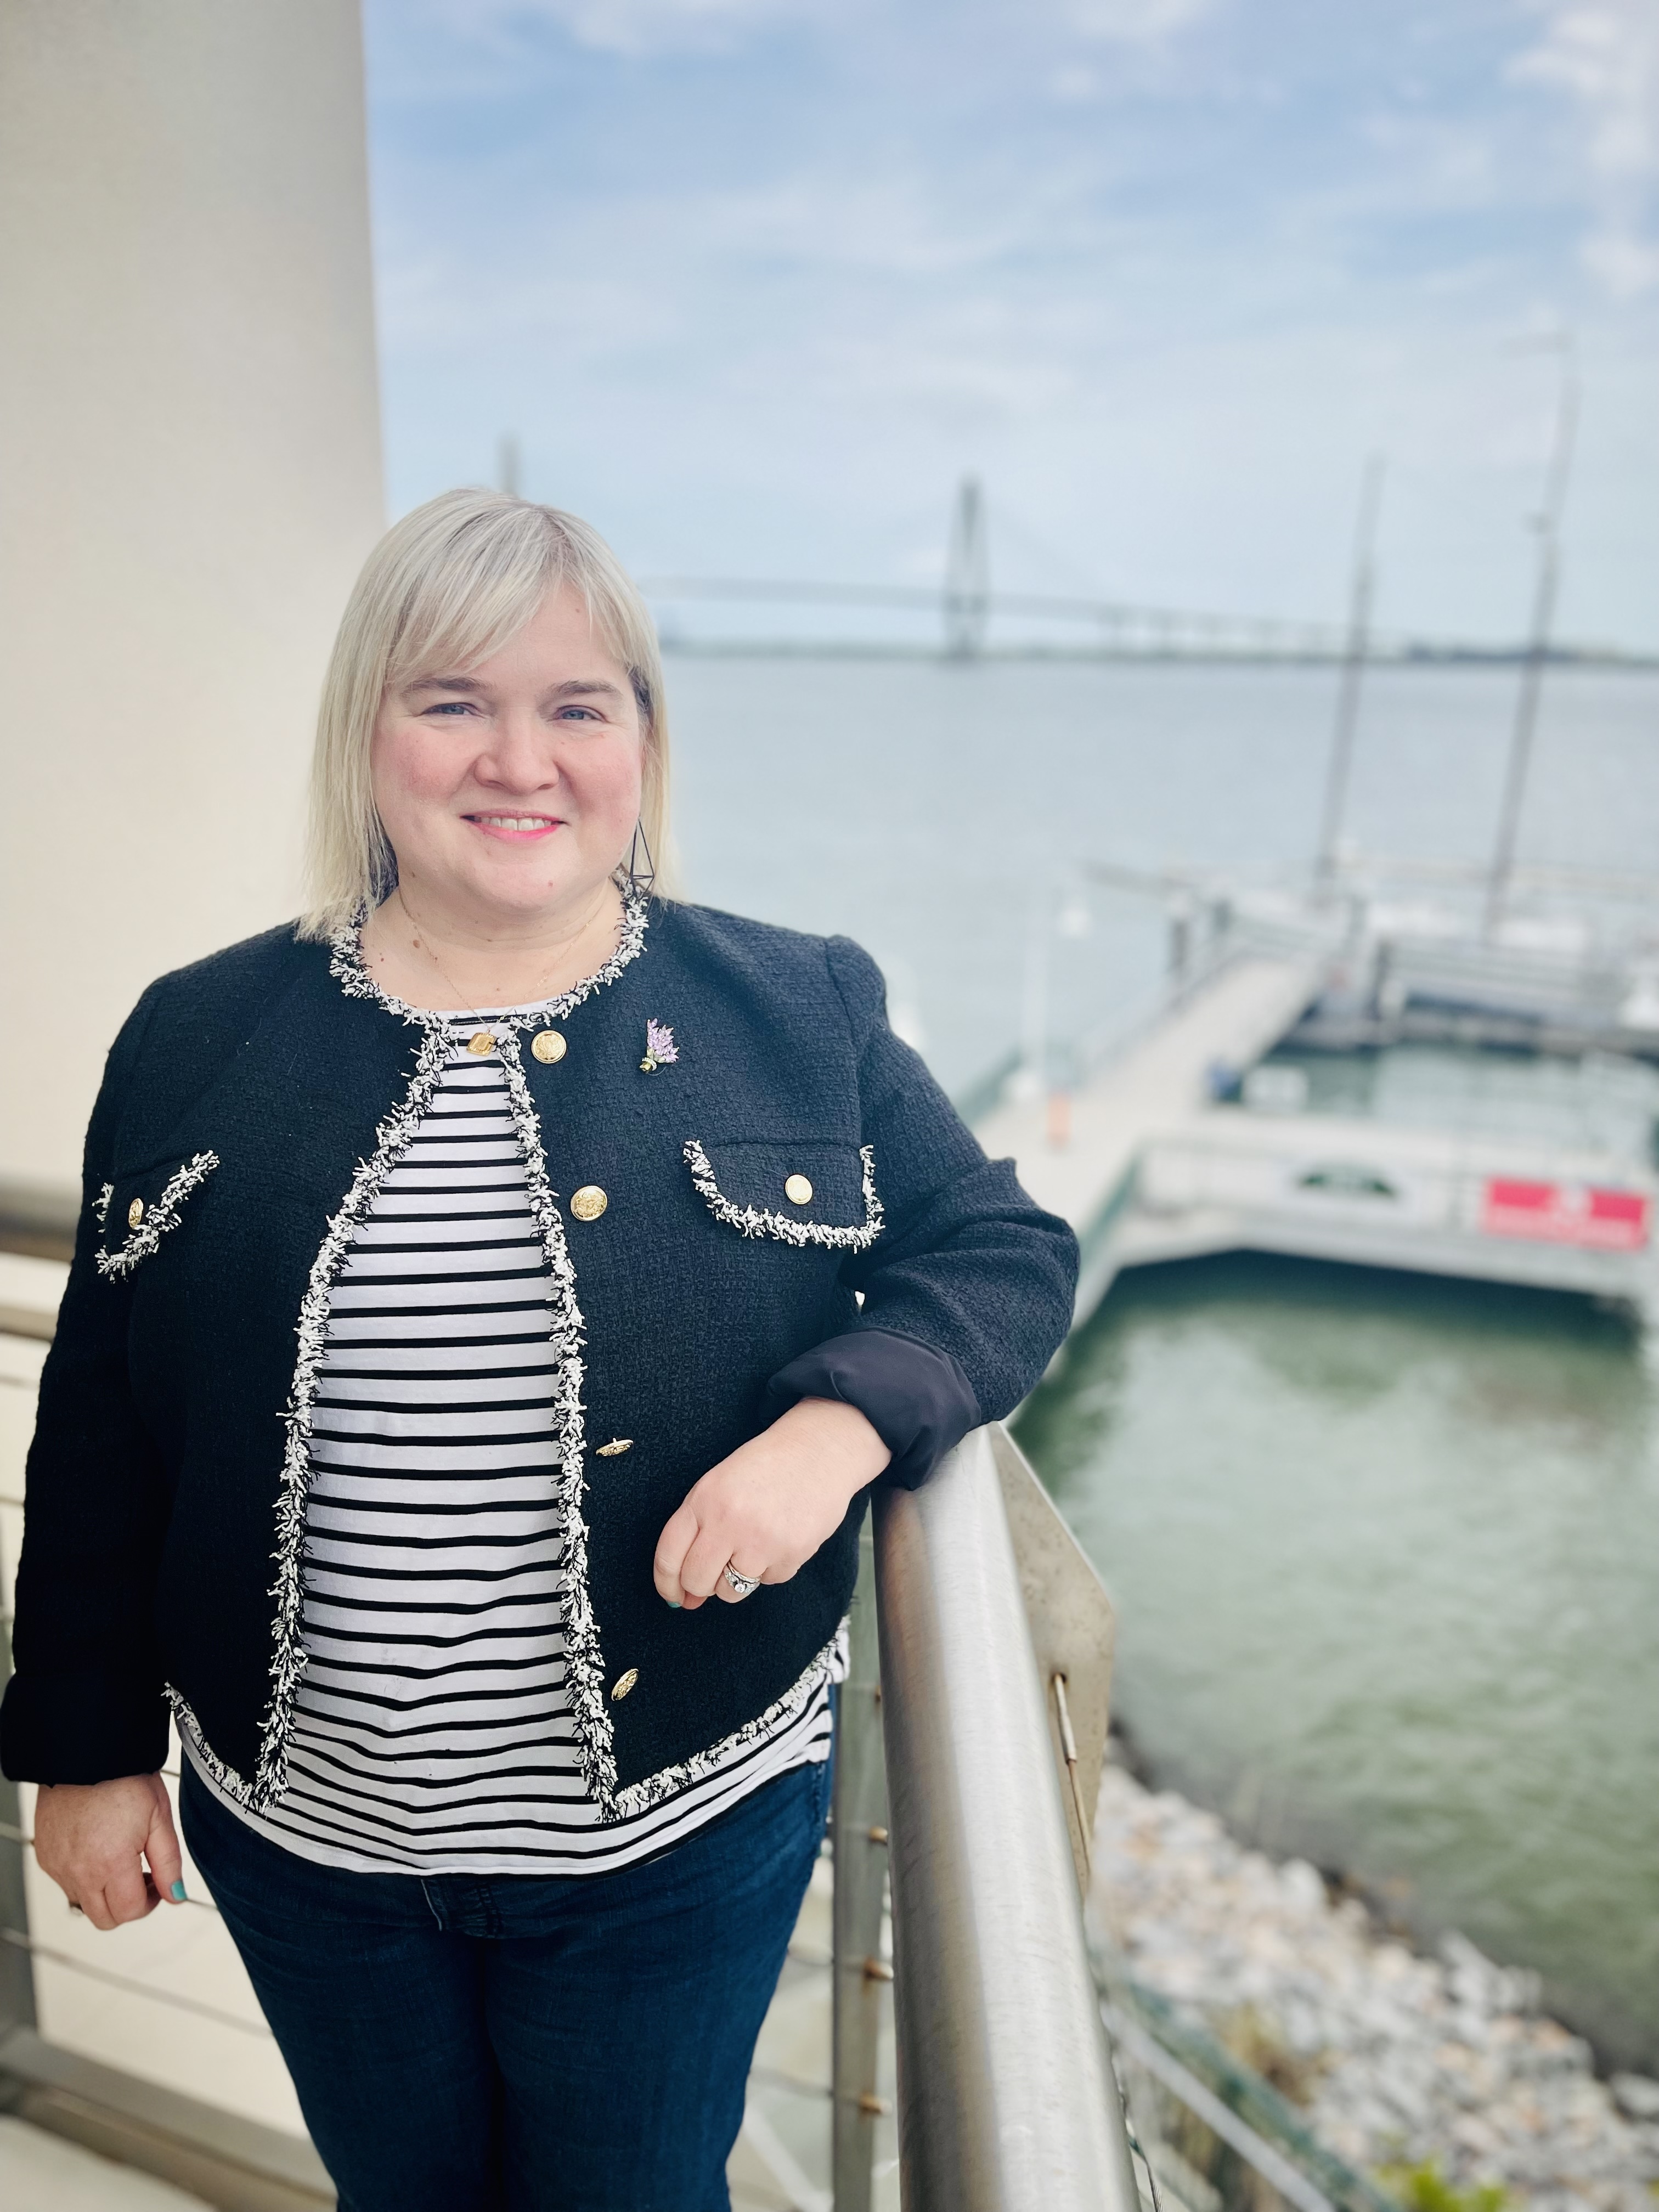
1385, 1550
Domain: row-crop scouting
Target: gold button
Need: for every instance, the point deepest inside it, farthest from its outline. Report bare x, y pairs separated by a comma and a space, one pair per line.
548, 1046
481, 1042
588, 1203
134, 1212
798, 1191
624, 1683
616, 1444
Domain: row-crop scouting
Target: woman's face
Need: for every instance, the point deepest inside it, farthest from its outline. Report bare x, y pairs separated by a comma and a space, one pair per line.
510, 790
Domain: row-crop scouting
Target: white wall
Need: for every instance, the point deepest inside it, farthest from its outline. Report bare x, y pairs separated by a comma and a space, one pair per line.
189, 477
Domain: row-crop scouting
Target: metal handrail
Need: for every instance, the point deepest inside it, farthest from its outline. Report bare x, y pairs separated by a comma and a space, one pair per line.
38, 1221
1007, 2098
38, 1218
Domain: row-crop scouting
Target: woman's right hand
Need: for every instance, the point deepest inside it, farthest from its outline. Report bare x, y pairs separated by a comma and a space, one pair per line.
93, 1840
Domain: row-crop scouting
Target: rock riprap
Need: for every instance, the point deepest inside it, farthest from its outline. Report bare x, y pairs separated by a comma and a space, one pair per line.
1396, 2060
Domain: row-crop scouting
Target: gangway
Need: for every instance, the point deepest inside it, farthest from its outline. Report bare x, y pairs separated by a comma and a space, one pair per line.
1082, 1162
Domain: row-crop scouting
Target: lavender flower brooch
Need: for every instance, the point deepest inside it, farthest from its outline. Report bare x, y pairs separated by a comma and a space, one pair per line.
660, 1049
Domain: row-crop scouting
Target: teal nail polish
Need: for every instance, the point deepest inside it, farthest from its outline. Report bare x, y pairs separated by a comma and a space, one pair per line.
178, 1894
673, 1605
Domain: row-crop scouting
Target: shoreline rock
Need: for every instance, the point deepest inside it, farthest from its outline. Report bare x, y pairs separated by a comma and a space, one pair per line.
1394, 2059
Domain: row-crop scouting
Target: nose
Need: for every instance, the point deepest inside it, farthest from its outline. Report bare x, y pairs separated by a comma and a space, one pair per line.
520, 755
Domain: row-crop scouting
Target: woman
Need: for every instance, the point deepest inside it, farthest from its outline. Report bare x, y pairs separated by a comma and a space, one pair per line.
517, 1260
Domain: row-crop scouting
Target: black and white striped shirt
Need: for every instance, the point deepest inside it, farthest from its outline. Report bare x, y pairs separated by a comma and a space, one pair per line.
433, 1732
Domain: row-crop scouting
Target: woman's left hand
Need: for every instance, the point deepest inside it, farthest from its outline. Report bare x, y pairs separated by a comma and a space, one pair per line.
767, 1509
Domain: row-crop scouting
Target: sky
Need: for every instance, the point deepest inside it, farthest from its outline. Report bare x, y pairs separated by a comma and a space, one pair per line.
756, 282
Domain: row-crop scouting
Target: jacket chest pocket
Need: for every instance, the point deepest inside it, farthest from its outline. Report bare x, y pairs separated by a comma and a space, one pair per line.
800, 1193
137, 1211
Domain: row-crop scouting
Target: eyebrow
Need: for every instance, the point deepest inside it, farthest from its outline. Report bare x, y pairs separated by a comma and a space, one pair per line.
581, 687
578, 686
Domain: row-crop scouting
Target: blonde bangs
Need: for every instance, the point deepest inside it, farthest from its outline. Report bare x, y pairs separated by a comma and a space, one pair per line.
448, 585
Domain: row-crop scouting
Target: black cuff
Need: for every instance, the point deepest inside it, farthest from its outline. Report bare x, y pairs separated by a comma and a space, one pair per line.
918, 1401
84, 1728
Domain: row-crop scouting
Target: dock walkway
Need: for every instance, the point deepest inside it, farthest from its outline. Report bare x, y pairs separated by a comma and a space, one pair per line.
1149, 1088
1147, 1164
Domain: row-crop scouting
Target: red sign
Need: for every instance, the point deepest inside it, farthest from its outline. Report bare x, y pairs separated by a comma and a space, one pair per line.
1566, 1213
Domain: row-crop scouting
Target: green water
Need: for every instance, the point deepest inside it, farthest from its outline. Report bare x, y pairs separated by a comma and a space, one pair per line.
1385, 1553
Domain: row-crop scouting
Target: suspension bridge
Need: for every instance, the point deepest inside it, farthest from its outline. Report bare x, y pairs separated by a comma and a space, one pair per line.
966, 619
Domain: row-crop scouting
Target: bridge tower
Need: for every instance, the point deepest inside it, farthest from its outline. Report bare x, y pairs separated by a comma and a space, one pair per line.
967, 576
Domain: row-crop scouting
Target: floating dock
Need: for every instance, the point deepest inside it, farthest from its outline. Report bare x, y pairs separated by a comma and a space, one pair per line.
1155, 1157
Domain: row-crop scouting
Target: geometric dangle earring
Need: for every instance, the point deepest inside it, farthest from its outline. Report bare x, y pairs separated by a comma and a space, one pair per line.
641, 868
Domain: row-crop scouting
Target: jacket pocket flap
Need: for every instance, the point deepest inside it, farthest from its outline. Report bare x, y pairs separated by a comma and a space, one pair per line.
142, 1209
800, 1193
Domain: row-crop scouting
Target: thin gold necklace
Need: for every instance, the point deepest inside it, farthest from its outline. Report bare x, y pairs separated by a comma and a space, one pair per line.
482, 1039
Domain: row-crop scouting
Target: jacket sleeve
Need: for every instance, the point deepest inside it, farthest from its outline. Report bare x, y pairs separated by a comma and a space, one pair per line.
967, 1292
86, 1702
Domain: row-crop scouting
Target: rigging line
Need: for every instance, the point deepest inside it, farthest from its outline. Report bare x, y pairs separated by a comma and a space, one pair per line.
21, 1942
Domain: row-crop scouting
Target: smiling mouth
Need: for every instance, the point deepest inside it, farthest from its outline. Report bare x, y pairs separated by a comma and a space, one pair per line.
515, 825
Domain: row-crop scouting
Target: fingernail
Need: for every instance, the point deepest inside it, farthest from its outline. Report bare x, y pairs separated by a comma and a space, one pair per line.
177, 1893
673, 1605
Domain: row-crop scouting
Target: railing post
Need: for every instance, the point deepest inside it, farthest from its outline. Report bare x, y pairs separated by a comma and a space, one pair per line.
1007, 2101
861, 1845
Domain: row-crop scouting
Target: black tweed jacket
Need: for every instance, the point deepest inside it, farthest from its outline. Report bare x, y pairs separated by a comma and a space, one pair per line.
250, 1107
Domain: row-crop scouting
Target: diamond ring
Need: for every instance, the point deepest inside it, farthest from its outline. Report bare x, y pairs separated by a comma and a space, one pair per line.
744, 1585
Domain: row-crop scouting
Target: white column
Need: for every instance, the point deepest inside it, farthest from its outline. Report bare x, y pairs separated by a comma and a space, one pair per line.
190, 475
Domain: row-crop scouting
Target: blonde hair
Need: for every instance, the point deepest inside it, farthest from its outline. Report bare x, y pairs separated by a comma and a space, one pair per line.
446, 587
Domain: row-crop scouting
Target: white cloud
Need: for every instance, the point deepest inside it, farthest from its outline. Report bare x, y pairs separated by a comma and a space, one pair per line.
1135, 22
1165, 335
651, 27
1073, 85
626, 27
1604, 55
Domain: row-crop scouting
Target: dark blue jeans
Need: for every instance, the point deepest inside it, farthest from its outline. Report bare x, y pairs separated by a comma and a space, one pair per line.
478, 2043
